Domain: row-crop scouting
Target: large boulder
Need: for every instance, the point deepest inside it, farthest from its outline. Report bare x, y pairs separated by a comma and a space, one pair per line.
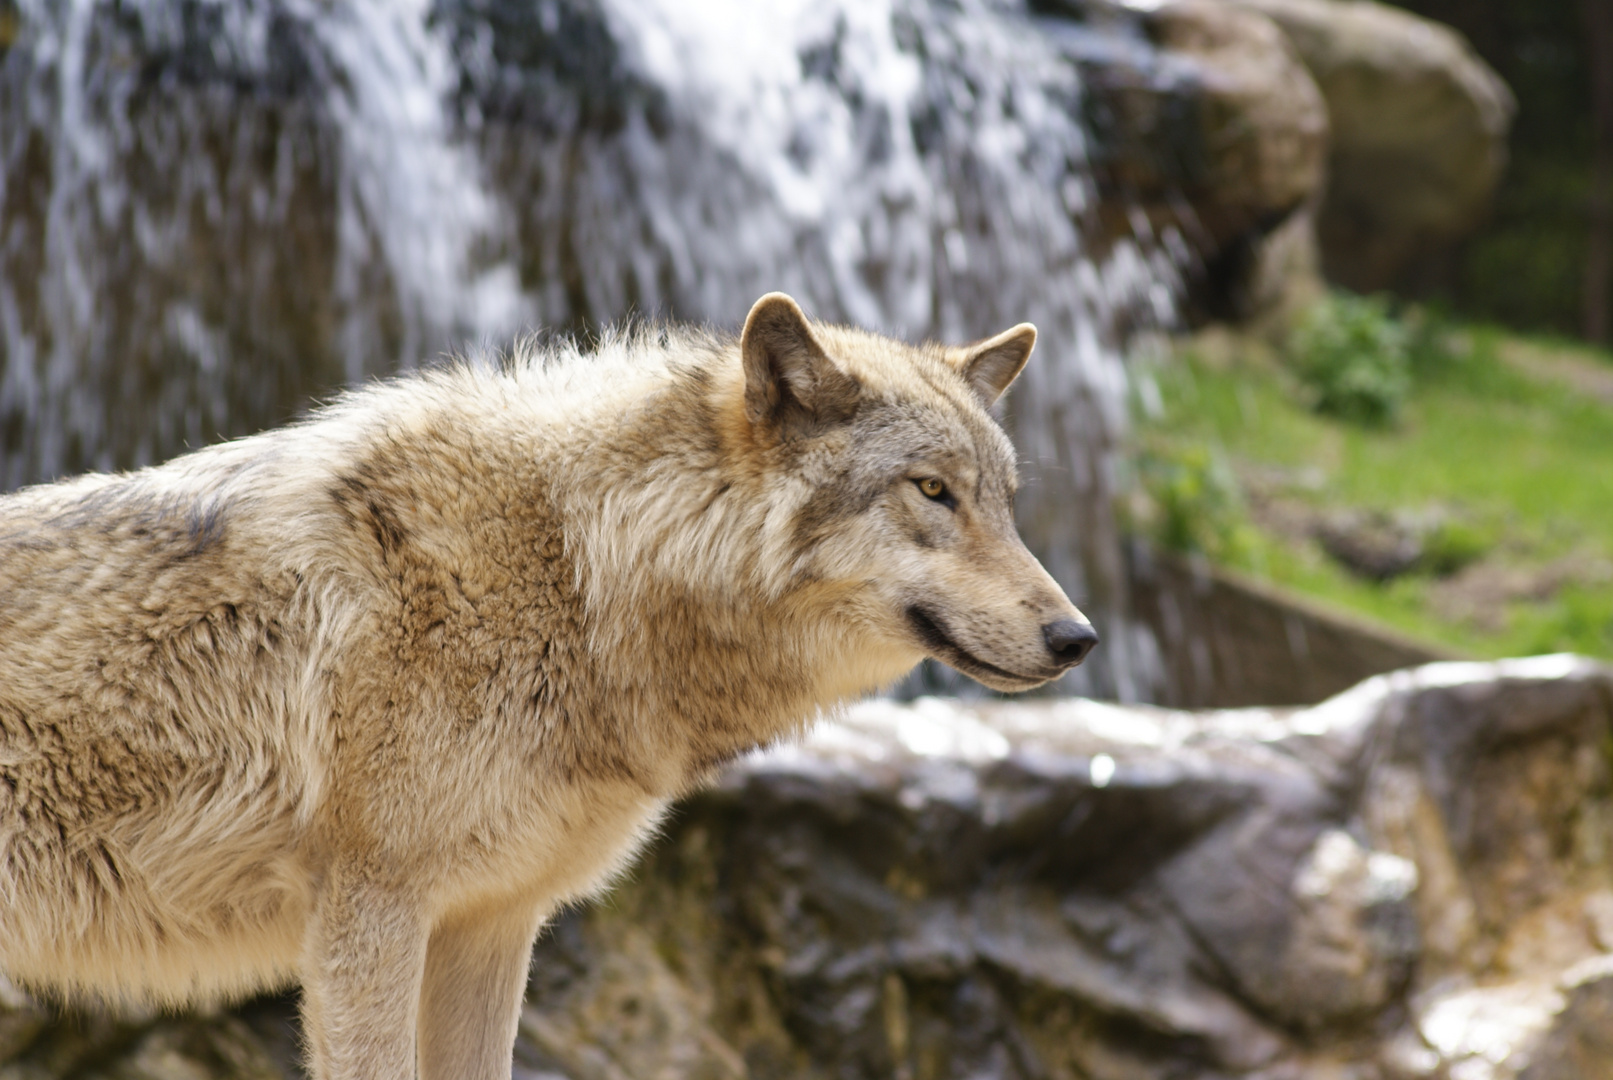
1206, 128
1412, 879
1263, 126
1264, 129
1419, 127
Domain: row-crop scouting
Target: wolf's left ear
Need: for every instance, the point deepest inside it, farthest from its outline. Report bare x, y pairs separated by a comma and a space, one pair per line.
990, 366
791, 384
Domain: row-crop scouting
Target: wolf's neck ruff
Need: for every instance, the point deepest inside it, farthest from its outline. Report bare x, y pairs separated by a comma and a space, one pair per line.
358, 702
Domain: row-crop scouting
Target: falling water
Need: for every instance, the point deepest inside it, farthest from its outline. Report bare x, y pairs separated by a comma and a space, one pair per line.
213, 211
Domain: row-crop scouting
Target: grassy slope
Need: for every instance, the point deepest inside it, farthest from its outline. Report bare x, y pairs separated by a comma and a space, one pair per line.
1512, 437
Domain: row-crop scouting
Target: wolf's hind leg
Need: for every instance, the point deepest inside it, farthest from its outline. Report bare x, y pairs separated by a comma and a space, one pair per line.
470, 1002
363, 961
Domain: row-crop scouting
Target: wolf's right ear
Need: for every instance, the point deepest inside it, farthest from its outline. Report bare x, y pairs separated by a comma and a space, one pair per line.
790, 382
990, 366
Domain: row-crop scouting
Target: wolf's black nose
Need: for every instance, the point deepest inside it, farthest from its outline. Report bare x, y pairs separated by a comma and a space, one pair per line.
1069, 641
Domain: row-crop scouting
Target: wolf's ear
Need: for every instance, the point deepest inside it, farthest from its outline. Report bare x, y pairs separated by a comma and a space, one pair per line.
990, 366
790, 382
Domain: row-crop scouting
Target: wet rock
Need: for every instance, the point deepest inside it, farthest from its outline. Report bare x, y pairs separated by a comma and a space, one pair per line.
132, 1046
1068, 889
1265, 126
1355, 937
1579, 1043
1545, 1029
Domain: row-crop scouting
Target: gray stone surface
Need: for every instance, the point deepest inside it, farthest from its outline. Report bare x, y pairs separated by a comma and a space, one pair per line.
1412, 879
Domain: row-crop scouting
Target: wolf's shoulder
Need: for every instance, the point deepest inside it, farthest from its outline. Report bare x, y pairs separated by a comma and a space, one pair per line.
429, 441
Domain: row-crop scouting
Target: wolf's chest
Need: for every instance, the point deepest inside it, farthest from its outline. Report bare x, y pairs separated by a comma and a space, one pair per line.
567, 849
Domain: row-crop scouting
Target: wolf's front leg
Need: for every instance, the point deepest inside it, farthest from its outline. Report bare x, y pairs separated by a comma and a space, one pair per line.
363, 960
476, 969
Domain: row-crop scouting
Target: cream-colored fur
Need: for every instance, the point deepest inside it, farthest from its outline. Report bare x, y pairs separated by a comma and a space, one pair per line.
357, 703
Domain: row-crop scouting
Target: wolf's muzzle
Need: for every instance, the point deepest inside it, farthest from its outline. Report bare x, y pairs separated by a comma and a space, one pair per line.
1069, 641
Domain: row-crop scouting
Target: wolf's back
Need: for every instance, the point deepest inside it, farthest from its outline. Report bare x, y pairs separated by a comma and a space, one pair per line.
150, 650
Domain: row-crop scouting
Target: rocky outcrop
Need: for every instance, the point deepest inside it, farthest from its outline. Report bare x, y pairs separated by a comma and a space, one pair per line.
1419, 126
1413, 879
1204, 122
1263, 125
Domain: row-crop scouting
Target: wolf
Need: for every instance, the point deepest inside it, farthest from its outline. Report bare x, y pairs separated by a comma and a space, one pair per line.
356, 704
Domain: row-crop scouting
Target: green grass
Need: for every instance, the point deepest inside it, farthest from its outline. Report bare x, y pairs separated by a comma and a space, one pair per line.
1521, 460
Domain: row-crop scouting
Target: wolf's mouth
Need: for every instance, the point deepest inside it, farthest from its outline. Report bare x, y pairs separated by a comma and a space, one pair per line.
940, 644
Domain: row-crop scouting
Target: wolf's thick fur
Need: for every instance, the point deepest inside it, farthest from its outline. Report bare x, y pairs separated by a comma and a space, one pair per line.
358, 702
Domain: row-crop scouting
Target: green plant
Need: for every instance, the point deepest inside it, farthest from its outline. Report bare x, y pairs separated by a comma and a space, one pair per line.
1354, 359
1451, 545
1192, 502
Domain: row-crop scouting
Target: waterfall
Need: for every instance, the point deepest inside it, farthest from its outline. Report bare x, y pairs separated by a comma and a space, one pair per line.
210, 212
215, 211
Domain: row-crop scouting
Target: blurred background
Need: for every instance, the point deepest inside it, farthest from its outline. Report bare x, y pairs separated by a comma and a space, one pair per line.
1323, 287
1323, 390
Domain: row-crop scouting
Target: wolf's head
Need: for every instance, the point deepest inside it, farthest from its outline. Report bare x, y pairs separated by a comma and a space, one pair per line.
906, 516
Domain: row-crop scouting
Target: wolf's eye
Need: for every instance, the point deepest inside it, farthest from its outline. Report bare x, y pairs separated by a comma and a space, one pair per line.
932, 488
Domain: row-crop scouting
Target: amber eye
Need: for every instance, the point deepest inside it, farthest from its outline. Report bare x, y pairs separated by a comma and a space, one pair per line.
932, 488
